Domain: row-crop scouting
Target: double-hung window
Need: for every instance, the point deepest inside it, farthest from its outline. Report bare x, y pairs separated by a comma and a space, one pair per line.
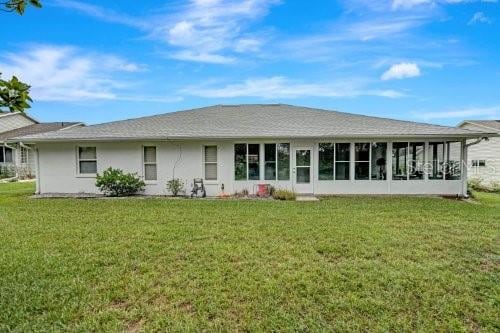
247, 161
87, 160
210, 162
478, 163
277, 161
150, 164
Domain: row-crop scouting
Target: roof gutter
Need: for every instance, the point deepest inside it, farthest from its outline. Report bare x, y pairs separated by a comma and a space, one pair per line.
192, 138
475, 142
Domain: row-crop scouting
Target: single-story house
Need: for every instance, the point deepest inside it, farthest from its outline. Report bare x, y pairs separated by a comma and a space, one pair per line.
483, 159
17, 159
236, 147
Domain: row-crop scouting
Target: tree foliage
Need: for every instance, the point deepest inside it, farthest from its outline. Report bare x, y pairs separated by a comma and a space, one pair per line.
19, 6
14, 95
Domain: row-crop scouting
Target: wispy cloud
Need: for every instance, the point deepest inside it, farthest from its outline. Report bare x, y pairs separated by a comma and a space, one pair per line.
206, 31
279, 87
400, 71
492, 112
103, 14
63, 73
479, 17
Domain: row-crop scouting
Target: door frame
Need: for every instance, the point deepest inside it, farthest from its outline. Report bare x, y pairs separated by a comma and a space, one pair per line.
305, 188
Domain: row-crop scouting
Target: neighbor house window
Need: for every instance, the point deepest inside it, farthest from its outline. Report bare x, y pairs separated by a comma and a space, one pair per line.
277, 161
478, 163
150, 167
453, 165
326, 161
342, 161
5, 155
417, 155
436, 160
24, 155
247, 161
210, 162
87, 160
362, 161
400, 161
379, 161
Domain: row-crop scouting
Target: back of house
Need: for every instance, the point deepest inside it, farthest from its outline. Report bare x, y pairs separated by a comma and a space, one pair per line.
239, 147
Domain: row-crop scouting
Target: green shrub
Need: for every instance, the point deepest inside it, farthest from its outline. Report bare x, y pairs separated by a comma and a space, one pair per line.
280, 194
477, 184
175, 186
116, 183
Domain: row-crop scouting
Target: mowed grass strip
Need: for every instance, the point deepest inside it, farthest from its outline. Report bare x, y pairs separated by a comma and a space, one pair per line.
346, 263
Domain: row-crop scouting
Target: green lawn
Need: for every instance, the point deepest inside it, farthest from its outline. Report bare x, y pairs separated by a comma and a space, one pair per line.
366, 263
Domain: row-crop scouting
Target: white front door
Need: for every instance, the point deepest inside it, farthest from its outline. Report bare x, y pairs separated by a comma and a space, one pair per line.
303, 170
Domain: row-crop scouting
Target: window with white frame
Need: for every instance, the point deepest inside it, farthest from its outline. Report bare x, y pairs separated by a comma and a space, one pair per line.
334, 161
378, 161
87, 160
210, 162
247, 161
24, 155
277, 161
362, 161
150, 166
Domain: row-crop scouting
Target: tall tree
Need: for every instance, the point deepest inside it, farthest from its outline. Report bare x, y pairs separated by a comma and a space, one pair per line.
14, 95
19, 6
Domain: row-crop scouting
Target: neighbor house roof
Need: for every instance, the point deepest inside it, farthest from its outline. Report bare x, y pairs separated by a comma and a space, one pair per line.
36, 129
488, 125
252, 121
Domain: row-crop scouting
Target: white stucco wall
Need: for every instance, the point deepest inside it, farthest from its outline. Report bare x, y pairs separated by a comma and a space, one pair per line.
184, 160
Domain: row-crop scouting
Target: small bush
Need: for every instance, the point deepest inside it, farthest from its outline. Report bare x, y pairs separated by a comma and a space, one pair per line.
280, 194
175, 186
477, 184
116, 183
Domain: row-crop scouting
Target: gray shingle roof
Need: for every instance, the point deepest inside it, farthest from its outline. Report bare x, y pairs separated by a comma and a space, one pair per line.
35, 129
493, 125
252, 121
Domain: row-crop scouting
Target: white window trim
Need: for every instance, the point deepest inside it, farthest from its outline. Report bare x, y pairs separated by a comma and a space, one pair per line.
144, 163
261, 158
23, 149
208, 181
78, 160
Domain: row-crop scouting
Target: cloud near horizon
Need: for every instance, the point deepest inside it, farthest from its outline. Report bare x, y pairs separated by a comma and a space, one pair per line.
284, 88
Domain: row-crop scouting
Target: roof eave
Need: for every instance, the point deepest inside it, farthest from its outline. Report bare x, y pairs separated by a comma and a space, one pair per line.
191, 138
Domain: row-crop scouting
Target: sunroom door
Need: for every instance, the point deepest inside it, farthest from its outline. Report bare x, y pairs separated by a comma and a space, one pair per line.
303, 170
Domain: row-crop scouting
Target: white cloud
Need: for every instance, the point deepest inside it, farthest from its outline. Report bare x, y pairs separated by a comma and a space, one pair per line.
211, 30
472, 112
199, 31
279, 87
408, 4
401, 71
66, 74
405, 4
479, 17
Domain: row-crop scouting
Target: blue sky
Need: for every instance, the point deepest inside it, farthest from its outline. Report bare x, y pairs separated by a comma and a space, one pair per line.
94, 61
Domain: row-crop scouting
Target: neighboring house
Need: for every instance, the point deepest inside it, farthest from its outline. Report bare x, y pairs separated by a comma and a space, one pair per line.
17, 159
484, 158
237, 147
